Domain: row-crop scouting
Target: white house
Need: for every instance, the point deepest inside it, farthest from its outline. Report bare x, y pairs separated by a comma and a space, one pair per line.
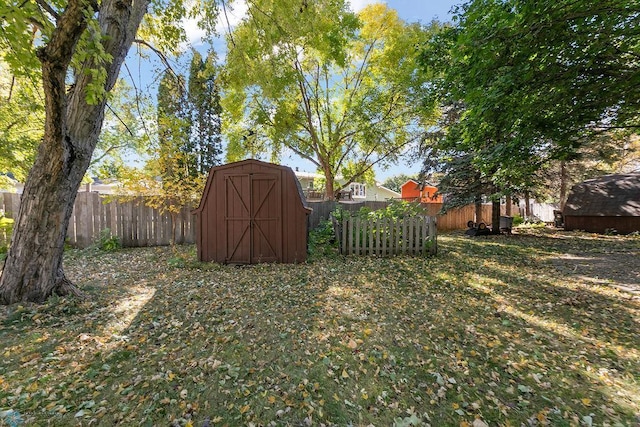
359, 191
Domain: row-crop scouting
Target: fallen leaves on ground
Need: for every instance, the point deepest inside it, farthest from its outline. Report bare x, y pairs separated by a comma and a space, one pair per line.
489, 332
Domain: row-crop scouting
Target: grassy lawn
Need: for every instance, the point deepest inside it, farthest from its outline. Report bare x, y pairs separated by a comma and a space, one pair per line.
501, 330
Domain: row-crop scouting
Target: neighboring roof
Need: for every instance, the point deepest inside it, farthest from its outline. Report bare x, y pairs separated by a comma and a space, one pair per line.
609, 195
312, 175
382, 187
411, 181
418, 184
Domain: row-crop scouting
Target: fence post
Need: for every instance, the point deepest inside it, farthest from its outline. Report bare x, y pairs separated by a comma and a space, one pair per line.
423, 233
357, 233
98, 221
145, 223
84, 219
433, 233
11, 205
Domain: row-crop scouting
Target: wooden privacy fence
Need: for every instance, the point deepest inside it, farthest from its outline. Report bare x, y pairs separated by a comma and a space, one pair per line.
132, 222
453, 219
368, 236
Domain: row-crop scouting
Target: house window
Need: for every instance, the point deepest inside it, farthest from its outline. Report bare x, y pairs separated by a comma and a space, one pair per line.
358, 190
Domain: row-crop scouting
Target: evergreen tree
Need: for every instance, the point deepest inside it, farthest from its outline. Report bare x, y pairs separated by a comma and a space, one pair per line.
175, 152
204, 100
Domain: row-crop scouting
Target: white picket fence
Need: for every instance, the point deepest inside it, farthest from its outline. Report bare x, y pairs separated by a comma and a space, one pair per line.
366, 236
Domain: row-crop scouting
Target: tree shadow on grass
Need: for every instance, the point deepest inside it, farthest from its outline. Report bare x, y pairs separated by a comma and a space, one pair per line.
594, 329
474, 332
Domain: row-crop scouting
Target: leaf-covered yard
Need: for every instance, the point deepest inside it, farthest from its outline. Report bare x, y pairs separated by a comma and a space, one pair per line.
501, 330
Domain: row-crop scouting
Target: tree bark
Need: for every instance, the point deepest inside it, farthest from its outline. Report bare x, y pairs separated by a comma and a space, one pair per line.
33, 268
563, 184
478, 207
495, 217
329, 193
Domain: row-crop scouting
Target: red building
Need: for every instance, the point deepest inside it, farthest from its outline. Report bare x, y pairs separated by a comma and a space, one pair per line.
413, 190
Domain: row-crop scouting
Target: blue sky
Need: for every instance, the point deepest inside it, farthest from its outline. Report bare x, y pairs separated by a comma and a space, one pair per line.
423, 11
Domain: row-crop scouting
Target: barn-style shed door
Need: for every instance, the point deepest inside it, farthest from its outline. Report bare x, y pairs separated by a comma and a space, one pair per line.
253, 216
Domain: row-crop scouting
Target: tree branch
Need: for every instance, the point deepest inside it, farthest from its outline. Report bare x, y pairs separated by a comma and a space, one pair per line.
47, 7
106, 153
163, 59
226, 18
144, 123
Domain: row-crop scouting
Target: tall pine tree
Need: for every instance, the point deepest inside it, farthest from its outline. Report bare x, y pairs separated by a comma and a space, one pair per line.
204, 100
174, 128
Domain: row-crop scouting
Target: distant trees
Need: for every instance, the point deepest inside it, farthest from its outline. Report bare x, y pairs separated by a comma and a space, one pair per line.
395, 182
174, 151
206, 113
189, 120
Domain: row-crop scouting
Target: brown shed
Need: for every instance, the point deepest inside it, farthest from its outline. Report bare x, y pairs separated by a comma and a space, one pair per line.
252, 212
611, 202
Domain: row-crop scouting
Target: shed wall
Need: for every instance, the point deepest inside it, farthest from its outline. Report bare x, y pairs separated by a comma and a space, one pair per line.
276, 228
600, 224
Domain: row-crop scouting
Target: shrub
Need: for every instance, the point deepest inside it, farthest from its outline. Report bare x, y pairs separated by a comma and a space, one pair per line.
108, 242
397, 209
6, 229
322, 241
517, 220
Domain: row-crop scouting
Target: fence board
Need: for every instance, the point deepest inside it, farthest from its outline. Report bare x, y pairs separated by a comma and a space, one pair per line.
98, 222
357, 238
383, 246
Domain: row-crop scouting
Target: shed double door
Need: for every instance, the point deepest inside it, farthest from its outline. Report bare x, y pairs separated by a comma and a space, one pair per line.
253, 217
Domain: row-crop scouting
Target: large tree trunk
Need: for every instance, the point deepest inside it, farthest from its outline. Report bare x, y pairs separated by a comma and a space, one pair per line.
495, 217
33, 268
478, 207
329, 188
563, 184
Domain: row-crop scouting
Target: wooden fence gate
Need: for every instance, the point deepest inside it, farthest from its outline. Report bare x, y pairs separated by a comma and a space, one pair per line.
364, 236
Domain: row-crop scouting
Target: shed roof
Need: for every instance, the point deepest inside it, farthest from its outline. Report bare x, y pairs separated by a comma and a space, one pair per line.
609, 195
286, 169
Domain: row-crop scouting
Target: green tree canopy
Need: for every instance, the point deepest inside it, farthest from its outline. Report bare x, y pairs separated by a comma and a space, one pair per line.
534, 82
337, 89
21, 122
